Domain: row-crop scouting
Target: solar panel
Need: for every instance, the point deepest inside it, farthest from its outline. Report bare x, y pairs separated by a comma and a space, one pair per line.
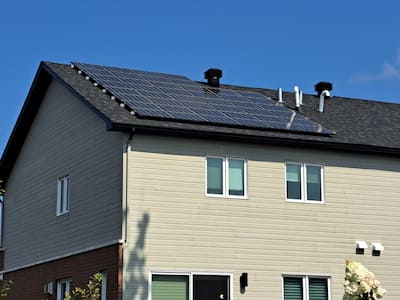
175, 97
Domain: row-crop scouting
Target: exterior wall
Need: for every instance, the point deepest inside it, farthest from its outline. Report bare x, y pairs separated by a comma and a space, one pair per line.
1, 259
174, 227
65, 138
29, 283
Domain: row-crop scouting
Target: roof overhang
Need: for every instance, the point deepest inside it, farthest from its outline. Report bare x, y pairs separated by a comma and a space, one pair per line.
29, 110
250, 136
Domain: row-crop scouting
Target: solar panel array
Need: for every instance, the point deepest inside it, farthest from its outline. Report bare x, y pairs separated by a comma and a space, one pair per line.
174, 97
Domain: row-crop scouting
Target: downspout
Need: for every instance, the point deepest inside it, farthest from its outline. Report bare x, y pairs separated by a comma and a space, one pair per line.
125, 187
125, 200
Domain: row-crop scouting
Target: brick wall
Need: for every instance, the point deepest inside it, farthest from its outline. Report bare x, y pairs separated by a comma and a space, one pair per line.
29, 282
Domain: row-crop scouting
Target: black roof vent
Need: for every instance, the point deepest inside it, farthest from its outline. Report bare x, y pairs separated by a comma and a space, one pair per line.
213, 75
323, 86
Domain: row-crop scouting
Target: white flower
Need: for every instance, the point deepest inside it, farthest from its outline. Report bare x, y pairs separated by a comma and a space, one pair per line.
380, 292
359, 281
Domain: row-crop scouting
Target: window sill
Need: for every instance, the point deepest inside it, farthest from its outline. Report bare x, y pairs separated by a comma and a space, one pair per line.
304, 201
227, 197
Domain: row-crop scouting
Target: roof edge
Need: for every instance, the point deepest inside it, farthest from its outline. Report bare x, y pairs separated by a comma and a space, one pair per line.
301, 143
25, 118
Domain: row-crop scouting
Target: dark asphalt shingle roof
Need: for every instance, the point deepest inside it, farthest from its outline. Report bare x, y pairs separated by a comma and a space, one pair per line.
360, 125
356, 122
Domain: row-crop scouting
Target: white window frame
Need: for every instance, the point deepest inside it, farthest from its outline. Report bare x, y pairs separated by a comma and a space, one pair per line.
103, 292
305, 279
303, 182
66, 281
190, 275
63, 199
225, 177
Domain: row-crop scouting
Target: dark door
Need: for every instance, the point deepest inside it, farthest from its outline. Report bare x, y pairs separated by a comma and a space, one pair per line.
210, 287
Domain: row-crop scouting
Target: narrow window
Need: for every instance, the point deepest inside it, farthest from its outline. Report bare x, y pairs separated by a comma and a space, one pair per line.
215, 176
63, 286
1, 220
304, 182
293, 181
63, 195
226, 177
174, 287
305, 288
236, 177
313, 183
318, 288
293, 288
103, 293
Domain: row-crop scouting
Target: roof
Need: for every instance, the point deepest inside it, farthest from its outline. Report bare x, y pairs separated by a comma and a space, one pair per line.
167, 97
359, 125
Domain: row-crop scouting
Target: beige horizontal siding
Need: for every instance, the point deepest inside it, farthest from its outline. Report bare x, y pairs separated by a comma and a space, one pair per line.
263, 235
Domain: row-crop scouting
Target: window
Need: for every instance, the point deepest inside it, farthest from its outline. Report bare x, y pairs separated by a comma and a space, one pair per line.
305, 288
189, 286
63, 195
170, 287
1, 220
304, 182
63, 286
226, 177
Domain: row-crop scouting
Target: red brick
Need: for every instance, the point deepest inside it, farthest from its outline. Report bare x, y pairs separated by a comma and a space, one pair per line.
28, 283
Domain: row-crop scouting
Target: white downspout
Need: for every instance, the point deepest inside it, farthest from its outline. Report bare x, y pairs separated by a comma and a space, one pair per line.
126, 188
322, 99
125, 199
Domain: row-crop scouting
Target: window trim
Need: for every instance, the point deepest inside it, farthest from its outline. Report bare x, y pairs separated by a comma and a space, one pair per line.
225, 177
68, 281
103, 288
305, 280
303, 182
190, 274
60, 198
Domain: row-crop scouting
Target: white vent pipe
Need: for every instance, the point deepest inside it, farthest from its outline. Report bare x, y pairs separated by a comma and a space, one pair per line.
280, 97
301, 97
297, 95
322, 99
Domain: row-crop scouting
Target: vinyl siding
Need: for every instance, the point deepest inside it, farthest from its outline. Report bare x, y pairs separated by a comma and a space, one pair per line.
66, 138
173, 226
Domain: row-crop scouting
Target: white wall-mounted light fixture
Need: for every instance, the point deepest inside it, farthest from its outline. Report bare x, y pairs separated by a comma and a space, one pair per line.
360, 247
377, 248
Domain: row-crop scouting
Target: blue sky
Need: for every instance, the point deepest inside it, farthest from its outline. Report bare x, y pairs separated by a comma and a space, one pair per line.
353, 44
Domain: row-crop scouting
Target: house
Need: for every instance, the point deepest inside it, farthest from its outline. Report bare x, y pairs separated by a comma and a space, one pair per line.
176, 189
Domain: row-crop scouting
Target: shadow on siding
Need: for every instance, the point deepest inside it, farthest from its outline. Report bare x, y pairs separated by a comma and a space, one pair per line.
137, 259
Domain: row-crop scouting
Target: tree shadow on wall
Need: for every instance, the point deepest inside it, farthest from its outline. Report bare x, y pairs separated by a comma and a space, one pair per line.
137, 281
